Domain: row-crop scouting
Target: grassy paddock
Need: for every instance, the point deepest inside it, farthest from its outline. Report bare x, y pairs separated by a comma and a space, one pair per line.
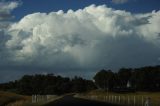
155, 96
12, 99
7, 98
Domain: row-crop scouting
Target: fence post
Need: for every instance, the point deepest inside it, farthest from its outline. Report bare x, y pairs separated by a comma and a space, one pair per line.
148, 102
142, 100
112, 98
115, 99
34, 98
128, 100
106, 98
134, 101
120, 99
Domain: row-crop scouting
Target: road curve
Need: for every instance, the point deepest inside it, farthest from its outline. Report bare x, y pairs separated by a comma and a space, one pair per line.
69, 100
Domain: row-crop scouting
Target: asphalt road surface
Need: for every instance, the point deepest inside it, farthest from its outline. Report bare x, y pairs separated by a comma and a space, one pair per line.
72, 101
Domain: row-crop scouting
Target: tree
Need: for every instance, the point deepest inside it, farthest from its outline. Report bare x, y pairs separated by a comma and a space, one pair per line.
124, 75
48, 84
146, 78
104, 79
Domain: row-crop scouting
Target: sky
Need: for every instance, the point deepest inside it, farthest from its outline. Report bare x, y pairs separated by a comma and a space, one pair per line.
77, 37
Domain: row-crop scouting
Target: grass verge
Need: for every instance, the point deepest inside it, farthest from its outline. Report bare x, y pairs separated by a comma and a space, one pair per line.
99, 94
7, 98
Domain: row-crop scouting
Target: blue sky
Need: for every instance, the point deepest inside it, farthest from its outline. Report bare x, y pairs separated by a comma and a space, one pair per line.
36, 37
134, 6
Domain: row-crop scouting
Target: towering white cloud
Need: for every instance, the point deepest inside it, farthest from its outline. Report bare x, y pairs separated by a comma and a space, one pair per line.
87, 39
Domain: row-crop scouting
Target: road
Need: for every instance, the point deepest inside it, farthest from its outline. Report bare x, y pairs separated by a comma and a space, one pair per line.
69, 100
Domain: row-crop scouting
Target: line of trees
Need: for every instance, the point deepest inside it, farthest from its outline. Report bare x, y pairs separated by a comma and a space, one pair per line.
138, 79
48, 84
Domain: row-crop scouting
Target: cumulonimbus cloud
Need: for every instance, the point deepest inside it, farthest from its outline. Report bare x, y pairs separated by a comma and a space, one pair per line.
87, 39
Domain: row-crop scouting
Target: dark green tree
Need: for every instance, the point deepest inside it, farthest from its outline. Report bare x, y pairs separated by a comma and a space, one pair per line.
104, 79
124, 76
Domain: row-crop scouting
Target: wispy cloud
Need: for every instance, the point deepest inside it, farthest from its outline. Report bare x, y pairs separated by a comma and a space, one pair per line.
6, 8
119, 1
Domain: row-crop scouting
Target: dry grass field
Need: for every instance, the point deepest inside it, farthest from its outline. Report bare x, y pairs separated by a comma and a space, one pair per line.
12, 99
7, 98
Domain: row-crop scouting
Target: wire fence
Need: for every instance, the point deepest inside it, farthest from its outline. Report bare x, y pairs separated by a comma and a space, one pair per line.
123, 100
41, 98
